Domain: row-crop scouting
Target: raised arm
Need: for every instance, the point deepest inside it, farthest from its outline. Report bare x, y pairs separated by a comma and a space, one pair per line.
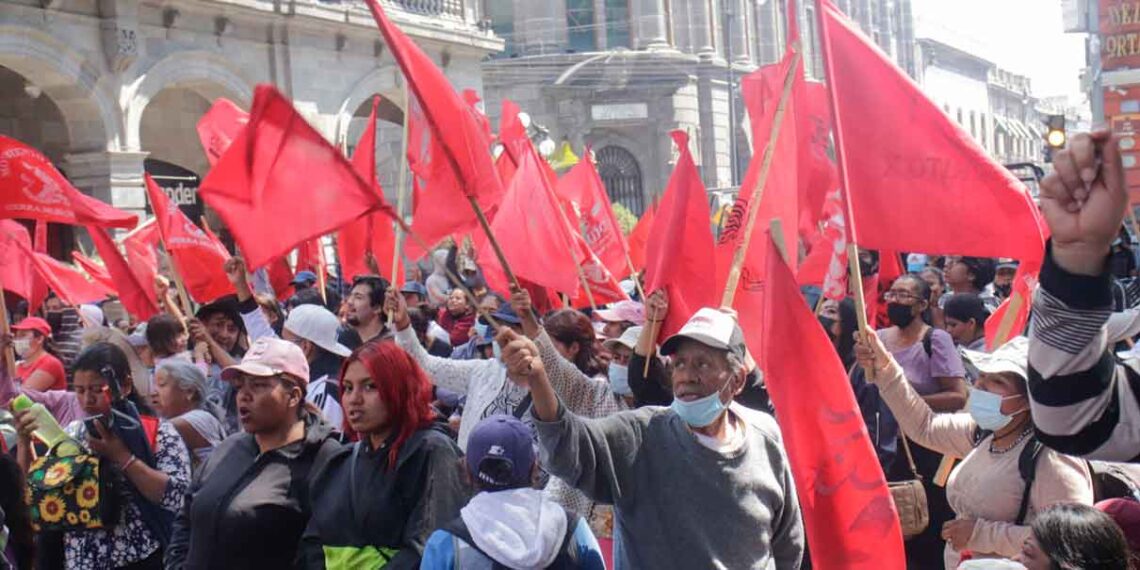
1083, 402
594, 456
455, 375
950, 434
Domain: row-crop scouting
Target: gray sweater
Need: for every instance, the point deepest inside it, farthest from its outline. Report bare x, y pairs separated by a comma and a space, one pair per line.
679, 504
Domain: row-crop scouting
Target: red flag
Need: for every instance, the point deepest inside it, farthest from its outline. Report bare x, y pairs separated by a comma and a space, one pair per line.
826, 263
460, 165
679, 255
532, 232
219, 127
604, 288
846, 505
282, 183
583, 187
68, 283
39, 286
280, 278
200, 260
370, 232
17, 275
912, 176
97, 272
817, 173
137, 295
31, 188
639, 237
778, 199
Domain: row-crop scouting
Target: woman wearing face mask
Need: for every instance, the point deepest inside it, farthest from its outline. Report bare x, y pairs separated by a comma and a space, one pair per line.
376, 502
934, 369
991, 504
39, 369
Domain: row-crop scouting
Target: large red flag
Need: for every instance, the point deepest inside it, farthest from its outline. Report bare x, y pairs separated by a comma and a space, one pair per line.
604, 288
913, 177
67, 282
532, 232
137, 295
847, 508
460, 164
97, 272
39, 286
16, 272
140, 250
200, 260
219, 127
583, 187
679, 254
281, 183
370, 232
31, 188
778, 199
639, 237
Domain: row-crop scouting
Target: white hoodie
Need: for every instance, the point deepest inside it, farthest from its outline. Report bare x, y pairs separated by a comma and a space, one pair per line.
519, 528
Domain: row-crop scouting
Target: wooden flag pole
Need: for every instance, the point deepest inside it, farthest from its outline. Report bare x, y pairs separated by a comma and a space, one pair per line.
1005, 327
857, 286
634, 277
757, 192
402, 190
494, 242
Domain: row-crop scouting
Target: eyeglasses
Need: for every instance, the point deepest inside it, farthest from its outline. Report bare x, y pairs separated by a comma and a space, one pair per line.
900, 296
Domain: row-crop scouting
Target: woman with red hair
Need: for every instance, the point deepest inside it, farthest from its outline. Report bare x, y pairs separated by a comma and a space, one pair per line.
376, 501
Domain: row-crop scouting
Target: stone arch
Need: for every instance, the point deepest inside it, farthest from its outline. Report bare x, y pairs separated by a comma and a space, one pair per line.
70, 80
384, 81
206, 73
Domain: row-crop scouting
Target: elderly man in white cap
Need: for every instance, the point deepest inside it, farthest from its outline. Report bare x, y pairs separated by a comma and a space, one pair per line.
704, 483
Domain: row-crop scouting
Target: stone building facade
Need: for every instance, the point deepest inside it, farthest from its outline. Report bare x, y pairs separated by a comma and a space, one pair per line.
105, 87
619, 75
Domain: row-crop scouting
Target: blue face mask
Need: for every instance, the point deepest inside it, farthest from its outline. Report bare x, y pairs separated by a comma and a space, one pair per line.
701, 412
619, 379
985, 408
481, 329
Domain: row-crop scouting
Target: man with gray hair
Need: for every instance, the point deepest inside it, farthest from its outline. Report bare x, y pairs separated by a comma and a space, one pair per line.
702, 483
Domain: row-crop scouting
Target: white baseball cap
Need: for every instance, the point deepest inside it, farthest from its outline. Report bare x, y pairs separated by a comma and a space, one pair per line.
318, 326
627, 339
1012, 356
709, 327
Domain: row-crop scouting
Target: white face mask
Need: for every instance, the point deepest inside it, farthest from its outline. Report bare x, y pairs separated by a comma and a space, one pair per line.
22, 346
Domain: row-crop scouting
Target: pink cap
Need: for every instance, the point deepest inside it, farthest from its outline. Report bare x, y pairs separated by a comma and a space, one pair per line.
623, 311
270, 357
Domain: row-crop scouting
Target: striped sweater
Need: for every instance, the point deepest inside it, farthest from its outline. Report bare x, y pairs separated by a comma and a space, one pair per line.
1085, 402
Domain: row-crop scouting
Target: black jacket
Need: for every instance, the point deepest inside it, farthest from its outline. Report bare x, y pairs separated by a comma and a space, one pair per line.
392, 511
246, 509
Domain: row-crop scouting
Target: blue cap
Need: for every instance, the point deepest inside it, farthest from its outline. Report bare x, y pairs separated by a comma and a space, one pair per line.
504, 314
414, 287
500, 452
304, 278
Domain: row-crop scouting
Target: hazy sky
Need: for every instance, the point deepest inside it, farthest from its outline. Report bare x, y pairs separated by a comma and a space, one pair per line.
1022, 36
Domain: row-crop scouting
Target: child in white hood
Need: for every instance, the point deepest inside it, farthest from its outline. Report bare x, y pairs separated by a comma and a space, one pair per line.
509, 523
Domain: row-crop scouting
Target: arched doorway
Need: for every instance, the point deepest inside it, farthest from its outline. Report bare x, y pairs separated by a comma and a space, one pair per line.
32, 117
389, 141
621, 175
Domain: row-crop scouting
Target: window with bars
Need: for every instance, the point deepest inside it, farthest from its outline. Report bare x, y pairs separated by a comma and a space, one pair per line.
621, 175
580, 25
617, 24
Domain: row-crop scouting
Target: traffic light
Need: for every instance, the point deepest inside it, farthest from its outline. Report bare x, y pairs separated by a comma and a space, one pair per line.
1055, 135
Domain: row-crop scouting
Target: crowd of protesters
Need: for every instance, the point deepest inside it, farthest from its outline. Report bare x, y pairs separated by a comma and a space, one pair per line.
439, 424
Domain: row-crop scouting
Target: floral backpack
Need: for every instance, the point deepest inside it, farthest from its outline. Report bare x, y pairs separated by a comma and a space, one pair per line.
67, 492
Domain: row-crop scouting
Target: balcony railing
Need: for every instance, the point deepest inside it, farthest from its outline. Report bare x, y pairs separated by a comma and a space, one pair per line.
450, 9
